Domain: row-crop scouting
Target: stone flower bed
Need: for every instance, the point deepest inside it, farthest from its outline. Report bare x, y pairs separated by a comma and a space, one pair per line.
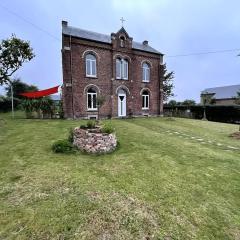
94, 140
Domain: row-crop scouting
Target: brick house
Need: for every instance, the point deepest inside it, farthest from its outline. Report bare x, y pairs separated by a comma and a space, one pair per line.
127, 74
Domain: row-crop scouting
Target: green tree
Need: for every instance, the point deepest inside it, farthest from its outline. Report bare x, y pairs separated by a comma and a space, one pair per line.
207, 99
19, 87
172, 103
13, 53
167, 83
189, 102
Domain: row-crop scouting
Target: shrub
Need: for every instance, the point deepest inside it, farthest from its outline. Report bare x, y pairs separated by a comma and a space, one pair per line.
83, 126
108, 128
62, 146
91, 124
70, 135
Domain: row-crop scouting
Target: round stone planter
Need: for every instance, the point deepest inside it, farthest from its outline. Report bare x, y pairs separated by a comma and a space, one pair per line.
94, 141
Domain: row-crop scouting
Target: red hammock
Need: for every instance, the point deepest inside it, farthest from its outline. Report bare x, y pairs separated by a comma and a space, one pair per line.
41, 93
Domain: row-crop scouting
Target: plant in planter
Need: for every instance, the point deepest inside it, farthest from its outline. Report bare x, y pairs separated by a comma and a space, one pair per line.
100, 101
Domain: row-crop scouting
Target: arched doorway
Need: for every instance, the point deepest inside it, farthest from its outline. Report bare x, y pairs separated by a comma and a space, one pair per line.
122, 103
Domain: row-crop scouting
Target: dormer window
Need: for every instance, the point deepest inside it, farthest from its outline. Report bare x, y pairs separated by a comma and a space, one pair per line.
122, 41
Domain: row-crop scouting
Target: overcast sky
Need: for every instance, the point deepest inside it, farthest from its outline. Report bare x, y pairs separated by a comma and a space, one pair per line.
173, 27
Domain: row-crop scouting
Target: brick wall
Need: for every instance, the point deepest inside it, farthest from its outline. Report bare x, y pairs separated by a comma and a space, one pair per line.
106, 84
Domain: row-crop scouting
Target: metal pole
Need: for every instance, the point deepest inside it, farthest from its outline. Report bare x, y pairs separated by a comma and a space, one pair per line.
12, 100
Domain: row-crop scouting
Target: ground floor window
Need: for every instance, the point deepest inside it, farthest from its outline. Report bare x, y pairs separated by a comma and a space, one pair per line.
145, 100
92, 99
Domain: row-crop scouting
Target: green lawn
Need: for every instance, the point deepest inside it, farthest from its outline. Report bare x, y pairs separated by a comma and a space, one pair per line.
170, 179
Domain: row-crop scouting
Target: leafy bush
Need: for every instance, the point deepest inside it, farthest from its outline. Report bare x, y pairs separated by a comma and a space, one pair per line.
91, 124
70, 135
108, 128
83, 126
62, 146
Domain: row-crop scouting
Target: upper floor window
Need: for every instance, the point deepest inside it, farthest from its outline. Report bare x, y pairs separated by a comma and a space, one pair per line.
145, 100
122, 39
121, 69
146, 72
91, 70
91, 99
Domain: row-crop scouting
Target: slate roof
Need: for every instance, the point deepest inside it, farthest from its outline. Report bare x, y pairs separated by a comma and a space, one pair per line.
99, 37
223, 92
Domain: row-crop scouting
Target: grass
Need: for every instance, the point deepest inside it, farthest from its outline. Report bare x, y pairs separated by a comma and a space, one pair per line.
155, 186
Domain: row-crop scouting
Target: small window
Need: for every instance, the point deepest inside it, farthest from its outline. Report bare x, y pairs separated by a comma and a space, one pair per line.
92, 99
91, 70
145, 100
118, 68
122, 41
125, 69
146, 72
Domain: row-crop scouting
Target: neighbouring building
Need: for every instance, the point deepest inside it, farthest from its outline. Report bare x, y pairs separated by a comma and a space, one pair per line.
222, 95
126, 74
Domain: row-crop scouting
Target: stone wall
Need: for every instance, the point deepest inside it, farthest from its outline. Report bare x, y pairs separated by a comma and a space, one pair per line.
94, 141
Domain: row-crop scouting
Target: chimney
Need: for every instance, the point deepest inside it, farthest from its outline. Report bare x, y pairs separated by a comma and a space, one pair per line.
145, 42
64, 23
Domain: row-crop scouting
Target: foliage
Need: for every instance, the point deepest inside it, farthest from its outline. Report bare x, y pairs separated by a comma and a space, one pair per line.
62, 146
70, 135
167, 83
207, 99
172, 103
237, 99
100, 100
44, 104
13, 53
91, 124
6, 103
19, 87
189, 102
108, 128
27, 105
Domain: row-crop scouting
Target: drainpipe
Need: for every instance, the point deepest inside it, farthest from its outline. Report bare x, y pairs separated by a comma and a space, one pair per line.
70, 43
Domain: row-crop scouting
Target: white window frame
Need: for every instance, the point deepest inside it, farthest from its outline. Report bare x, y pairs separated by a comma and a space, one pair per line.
91, 95
144, 72
123, 65
144, 97
120, 70
91, 62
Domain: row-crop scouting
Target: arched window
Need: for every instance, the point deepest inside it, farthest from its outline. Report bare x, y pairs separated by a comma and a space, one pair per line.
121, 69
146, 72
145, 100
91, 99
91, 70
122, 39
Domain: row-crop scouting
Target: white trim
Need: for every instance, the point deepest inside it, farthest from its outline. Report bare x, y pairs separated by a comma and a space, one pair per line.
91, 62
144, 101
92, 108
144, 72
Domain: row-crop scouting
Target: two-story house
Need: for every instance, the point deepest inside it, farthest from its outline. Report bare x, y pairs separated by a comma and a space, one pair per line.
126, 74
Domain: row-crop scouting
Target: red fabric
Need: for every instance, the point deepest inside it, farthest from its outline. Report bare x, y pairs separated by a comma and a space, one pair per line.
41, 93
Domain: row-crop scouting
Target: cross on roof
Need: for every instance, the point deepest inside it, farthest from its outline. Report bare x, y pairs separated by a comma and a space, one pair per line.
122, 20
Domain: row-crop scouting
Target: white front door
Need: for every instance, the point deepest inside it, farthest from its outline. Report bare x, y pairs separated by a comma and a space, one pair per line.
122, 103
